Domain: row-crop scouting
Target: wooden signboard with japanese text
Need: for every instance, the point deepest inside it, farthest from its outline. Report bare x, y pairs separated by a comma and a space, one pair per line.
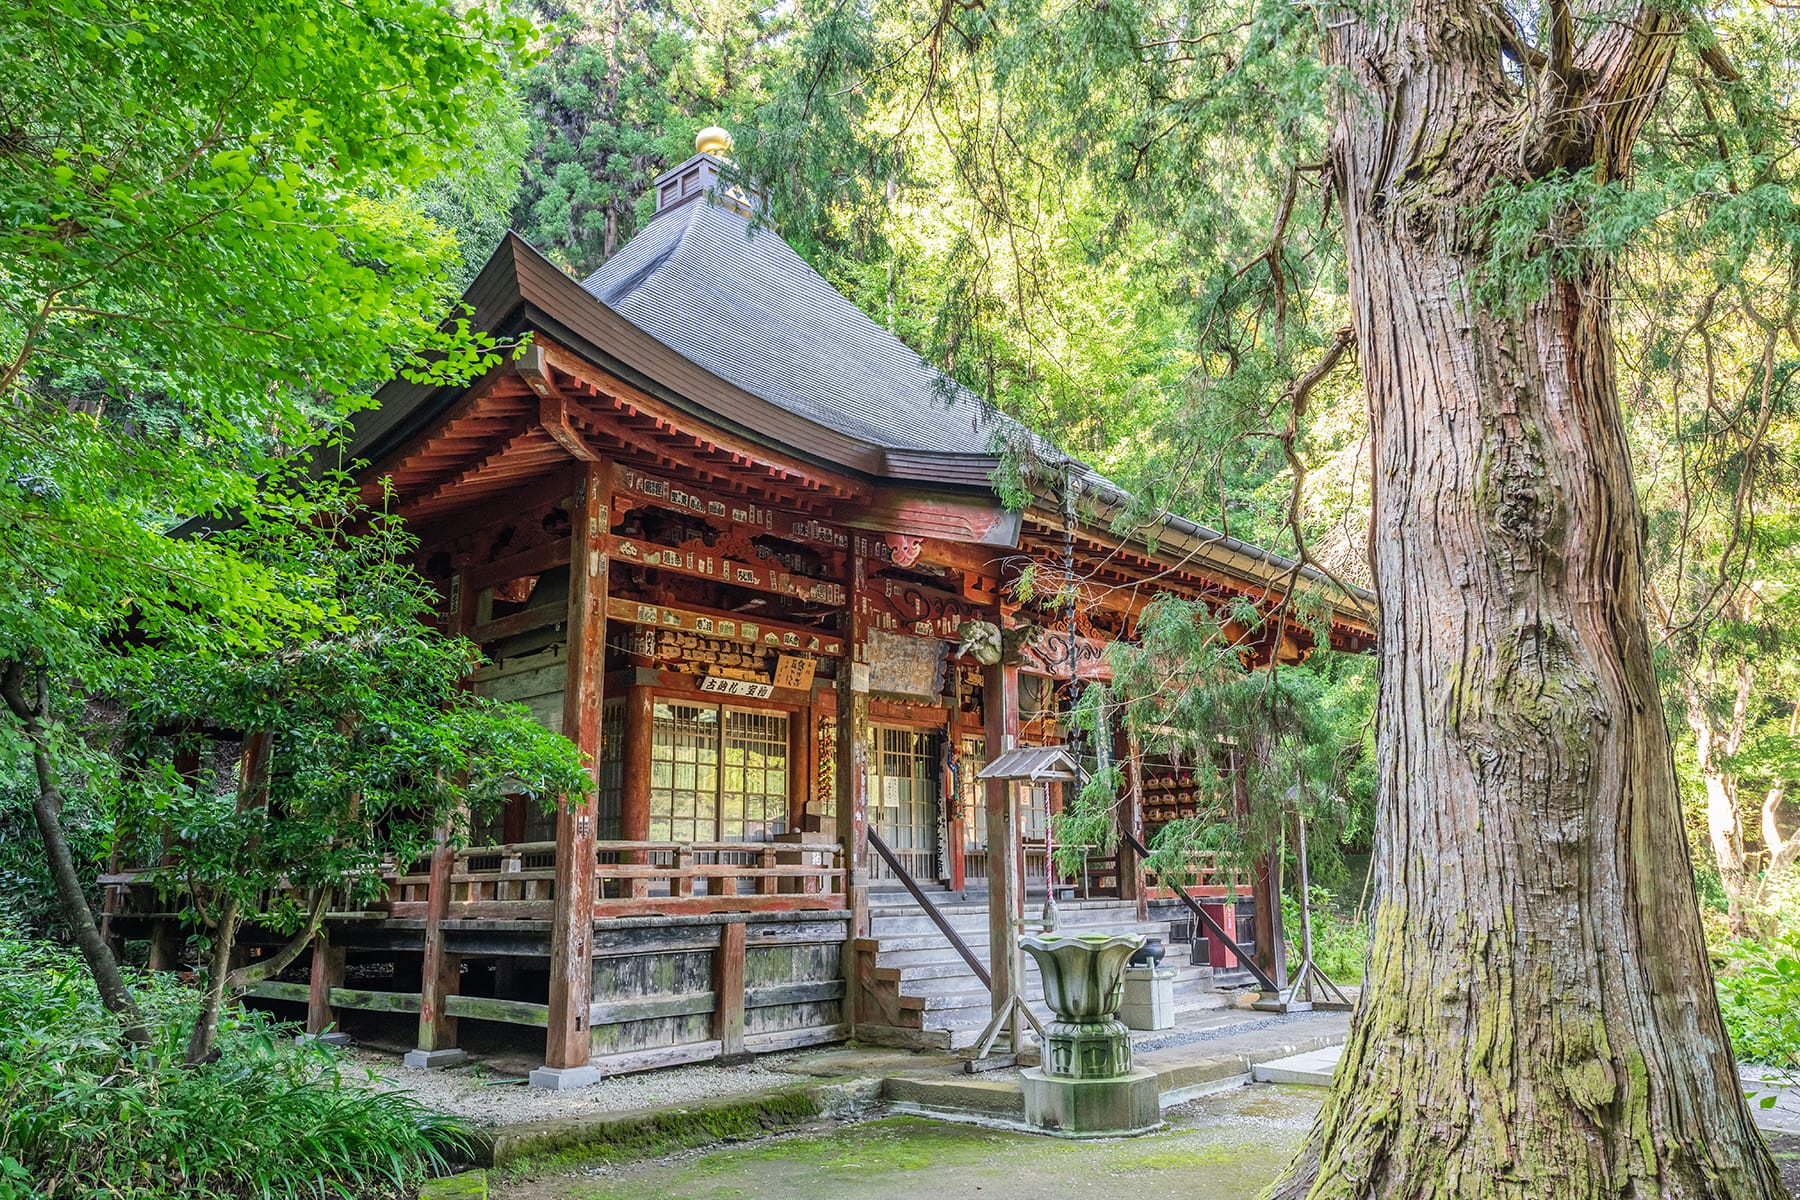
635, 488
698, 561
725, 625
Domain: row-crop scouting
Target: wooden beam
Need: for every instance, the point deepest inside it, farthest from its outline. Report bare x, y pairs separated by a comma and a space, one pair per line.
534, 561
713, 622
567, 1041
515, 437
621, 393
490, 387
553, 404
975, 519
515, 624
647, 443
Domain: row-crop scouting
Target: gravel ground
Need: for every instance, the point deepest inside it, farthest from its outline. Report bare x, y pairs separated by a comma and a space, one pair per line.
484, 1098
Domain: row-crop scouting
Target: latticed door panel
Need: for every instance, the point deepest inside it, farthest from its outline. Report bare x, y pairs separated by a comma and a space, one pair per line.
684, 773
903, 798
717, 774
754, 795
973, 790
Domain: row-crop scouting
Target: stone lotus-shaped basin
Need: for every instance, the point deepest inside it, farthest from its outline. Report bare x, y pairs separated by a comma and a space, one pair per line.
1084, 977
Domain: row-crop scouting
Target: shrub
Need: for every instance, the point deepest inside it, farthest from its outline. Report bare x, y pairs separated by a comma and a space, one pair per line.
85, 1117
1338, 942
1759, 995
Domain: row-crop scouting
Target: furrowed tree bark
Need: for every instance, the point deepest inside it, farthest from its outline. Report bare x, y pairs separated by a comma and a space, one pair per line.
1539, 1019
31, 714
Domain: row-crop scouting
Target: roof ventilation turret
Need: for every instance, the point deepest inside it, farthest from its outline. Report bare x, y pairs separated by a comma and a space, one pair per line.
708, 172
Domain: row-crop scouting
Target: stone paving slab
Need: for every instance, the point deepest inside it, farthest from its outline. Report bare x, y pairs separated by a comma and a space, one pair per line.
1313, 1068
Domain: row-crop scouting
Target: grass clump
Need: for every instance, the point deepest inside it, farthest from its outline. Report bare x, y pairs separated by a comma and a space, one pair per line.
83, 1116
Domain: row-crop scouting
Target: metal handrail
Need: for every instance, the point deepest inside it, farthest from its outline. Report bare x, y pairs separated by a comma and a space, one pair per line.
1213, 928
931, 910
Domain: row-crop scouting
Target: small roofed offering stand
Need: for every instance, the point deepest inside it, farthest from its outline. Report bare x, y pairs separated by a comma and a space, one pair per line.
742, 546
1033, 765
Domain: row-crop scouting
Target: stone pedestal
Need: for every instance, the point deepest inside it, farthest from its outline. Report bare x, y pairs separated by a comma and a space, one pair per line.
434, 1060
1117, 1107
1087, 1049
1149, 998
562, 1079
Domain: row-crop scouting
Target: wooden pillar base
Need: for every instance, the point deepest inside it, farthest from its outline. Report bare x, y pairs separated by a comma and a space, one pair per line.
327, 973
728, 990
165, 945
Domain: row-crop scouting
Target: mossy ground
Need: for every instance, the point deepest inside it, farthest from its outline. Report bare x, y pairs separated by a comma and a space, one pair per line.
1226, 1147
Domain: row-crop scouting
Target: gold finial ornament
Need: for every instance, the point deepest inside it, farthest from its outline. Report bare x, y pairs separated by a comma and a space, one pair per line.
713, 140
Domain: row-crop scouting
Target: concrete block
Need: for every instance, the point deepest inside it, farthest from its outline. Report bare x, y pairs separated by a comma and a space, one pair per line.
434, 1060
1091, 1107
1149, 998
562, 1079
325, 1039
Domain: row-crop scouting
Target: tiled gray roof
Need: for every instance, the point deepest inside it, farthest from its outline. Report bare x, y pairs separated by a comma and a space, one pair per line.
737, 300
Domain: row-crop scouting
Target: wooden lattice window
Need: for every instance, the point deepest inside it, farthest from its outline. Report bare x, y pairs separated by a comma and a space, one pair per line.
717, 774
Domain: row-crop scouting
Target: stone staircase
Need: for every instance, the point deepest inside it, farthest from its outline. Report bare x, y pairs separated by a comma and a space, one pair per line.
919, 992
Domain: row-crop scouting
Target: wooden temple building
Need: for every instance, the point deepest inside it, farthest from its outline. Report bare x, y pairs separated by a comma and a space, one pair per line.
732, 537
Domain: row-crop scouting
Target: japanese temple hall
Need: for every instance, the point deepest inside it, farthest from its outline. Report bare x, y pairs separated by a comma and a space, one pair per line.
743, 546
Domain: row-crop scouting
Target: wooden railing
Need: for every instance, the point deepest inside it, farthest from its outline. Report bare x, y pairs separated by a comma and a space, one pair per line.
1212, 927
1204, 874
518, 881
930, 909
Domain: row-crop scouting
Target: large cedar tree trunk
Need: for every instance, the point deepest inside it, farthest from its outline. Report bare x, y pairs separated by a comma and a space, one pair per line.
1539, 1018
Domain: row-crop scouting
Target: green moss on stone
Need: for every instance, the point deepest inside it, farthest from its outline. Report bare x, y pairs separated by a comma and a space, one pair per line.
655, 1133
470, 1185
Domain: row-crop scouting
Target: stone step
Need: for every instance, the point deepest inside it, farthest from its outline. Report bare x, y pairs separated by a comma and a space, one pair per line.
977, 941
913, 921
951, 966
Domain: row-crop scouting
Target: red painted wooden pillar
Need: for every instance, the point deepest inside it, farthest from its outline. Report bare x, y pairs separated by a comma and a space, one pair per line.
956, 828
1131, 817
1271, 942
567, 1041
634, 792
